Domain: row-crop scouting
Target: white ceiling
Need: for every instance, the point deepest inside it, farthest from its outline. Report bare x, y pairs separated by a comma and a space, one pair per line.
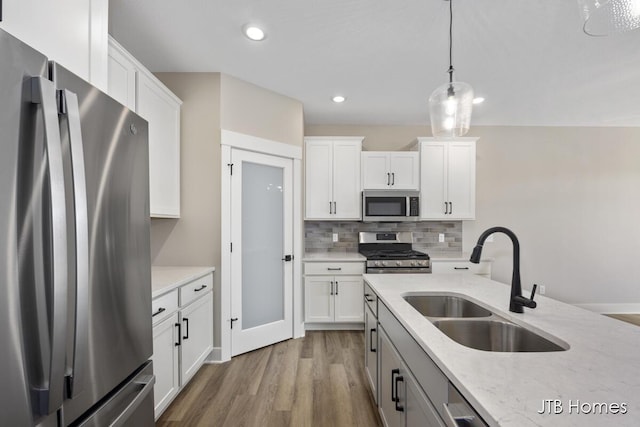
529, 59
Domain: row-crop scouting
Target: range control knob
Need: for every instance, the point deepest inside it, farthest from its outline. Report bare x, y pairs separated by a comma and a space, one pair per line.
398, 263
413, 263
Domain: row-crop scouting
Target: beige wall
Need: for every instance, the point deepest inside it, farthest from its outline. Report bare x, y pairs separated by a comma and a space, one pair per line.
252, 110
212, 101
572, 195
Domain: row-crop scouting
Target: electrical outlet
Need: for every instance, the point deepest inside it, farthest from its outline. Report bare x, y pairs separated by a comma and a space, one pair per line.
335, 237
543, 289
441, 237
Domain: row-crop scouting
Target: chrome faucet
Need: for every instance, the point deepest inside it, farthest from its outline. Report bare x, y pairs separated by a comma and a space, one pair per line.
517, 301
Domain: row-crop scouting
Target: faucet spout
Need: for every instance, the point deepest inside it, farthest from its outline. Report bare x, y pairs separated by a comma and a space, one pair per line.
517, 301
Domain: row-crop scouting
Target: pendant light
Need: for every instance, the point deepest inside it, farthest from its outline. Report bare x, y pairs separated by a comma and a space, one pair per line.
604, 17
450, 104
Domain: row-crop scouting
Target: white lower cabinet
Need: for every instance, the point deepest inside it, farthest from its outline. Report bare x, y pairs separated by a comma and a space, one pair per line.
451, 266
333, 293
182, 337
166, 362
333, 299
197, 335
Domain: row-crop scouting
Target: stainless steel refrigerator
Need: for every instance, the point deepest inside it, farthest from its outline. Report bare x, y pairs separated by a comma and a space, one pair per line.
75, 276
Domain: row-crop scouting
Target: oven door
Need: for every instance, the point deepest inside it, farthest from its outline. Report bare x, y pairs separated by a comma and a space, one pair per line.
398, 270
389, 206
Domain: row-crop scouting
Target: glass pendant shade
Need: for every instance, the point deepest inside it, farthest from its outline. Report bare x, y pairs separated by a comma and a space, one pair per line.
604, 17
450, 108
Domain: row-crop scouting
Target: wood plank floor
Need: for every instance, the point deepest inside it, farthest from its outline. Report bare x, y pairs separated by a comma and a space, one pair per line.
634, 319
314, 381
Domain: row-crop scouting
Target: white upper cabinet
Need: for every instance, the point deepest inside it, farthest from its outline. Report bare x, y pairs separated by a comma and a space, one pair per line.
161, 108
332, 178
393, 170
447, 178
122, 75
71, 32
134, 86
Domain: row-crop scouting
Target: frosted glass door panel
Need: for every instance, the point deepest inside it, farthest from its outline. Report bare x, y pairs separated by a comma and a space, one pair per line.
262, 245
262, 237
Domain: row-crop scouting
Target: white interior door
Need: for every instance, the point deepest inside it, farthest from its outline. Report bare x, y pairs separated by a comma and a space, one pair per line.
262, 236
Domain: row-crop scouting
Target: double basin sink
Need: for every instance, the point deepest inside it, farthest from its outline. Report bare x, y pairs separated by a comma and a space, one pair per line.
471, 325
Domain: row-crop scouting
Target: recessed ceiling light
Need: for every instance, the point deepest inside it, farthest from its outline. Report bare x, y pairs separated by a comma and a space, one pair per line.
338, 99
254, 33
478, 100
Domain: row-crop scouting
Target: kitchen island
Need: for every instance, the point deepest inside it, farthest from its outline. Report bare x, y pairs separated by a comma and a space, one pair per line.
596, 382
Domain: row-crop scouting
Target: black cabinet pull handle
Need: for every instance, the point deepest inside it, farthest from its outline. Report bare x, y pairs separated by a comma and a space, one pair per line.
336, 287
388, 178
394, 372
233, 319
371, 349
200, 288
160, 310
460, 268
186, 327
331, 291
334, 268
399, 407
179, 326
330, 208
393, 178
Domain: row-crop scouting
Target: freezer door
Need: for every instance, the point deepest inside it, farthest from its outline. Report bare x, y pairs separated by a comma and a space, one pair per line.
32, 369
131, 405
110, 327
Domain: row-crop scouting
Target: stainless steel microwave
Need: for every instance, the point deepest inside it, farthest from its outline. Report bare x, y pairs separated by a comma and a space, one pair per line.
390, 206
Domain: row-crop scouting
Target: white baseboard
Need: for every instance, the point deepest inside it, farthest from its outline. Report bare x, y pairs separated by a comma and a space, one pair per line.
622, 308
215, 356
334, 326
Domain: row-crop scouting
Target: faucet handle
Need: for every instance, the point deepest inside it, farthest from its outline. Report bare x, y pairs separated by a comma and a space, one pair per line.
533, 291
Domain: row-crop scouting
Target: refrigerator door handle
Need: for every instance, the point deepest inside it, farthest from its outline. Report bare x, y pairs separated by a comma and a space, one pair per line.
68, 105
50, 394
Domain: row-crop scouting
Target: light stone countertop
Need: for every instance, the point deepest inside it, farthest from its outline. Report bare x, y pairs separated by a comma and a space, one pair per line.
165, 279
508, 389
333, 257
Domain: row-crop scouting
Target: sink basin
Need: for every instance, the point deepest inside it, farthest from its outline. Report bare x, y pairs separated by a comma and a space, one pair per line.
495, 335
446, 306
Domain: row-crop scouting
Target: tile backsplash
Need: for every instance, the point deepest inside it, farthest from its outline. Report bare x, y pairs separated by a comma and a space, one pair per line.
318, 235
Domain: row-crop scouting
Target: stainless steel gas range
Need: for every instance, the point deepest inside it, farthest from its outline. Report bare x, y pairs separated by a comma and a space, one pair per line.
392, 252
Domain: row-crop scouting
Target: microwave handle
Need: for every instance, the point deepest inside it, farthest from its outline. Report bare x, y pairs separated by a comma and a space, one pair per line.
408, 208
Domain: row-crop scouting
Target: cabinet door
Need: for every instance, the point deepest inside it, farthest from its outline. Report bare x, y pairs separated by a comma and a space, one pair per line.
390, 366
405, 170
121, 76
61, 30
197, 336
346, 179
349, 305
371, 350
417, 408
375, 170
165, 363
318, 179
433, 185
461, 177
161, 109
318, 298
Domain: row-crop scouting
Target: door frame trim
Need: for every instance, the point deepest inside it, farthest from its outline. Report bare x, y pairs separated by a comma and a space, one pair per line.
229, 140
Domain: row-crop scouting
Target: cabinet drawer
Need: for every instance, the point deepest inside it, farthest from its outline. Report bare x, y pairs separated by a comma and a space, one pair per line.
371, 299
163, 306
450, 267
333, 268
196, 289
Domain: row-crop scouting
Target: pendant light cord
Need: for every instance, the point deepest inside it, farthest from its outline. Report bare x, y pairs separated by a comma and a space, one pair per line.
450, 41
